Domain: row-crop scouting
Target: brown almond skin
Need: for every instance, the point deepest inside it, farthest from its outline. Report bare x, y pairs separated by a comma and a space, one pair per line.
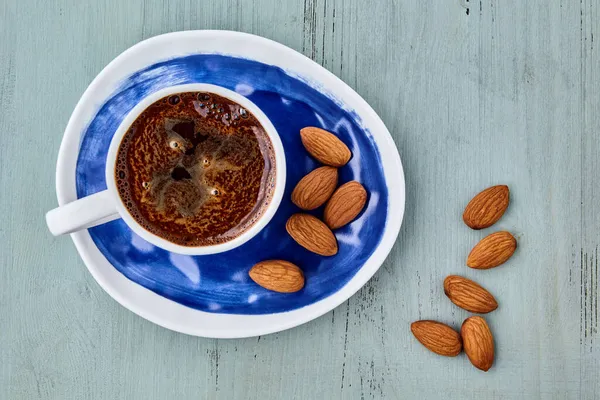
312, 234
437, 337
468, 295
325, 147
345, 204
478, 342
485, 209
492, 250
278, 275
315, 188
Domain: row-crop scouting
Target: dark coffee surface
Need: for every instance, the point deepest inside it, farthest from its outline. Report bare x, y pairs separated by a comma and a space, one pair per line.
195, 169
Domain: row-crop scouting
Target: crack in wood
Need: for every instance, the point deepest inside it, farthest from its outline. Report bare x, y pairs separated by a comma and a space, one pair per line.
345, 342
310, 28
214, 355
588, 301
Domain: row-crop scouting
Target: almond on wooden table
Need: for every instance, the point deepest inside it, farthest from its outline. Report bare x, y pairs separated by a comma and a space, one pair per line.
312, 234
469, 295
315, 188
278, 275
325, 146
492, 250
478, 342
487, 207
345, 204
437, 337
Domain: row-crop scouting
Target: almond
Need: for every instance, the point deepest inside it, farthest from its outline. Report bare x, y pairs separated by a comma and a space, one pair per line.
325, 147
487, 207
345, 204
469, 295
478, 342
437, 337
312, 234
277, 275
315, 188
492, 250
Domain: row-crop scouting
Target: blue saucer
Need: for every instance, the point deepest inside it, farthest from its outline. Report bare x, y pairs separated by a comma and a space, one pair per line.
220, 283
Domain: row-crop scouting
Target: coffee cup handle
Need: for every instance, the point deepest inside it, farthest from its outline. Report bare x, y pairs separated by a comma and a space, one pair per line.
84, 213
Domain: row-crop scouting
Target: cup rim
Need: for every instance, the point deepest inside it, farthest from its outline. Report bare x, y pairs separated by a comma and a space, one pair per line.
261, 222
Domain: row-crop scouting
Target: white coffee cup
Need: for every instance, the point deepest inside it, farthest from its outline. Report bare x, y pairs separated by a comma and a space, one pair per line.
107, 205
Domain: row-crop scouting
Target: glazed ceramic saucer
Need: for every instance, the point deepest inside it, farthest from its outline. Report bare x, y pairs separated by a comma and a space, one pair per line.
212, 295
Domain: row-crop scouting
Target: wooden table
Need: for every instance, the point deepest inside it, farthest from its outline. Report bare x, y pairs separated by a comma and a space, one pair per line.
475, 93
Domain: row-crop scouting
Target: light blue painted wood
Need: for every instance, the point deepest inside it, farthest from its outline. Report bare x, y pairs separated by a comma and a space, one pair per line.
506, 93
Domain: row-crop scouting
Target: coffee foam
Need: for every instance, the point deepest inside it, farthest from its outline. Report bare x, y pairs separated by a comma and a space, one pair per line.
196, 171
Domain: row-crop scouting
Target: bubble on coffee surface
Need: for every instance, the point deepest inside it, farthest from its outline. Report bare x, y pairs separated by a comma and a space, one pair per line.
178, 195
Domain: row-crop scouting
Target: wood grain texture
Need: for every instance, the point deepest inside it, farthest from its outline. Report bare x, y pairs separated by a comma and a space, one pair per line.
475, 93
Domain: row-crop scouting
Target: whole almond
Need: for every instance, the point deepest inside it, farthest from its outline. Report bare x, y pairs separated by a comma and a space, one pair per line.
345, 204
312, 234
437, 337
478, 342
487, 207
315, 188
469, 295
492, 250
325, 147
278, 275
